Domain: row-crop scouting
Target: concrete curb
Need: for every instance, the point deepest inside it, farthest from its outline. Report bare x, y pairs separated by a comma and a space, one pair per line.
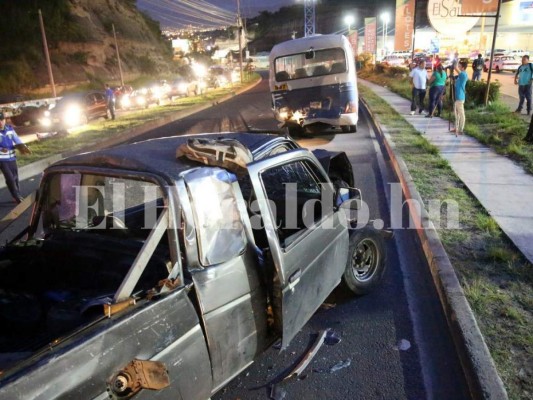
479, 369
37, 167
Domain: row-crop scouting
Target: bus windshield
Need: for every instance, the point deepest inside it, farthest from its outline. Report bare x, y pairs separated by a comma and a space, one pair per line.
310, 64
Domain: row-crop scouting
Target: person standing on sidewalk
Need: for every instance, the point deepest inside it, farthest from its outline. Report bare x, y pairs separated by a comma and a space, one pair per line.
110, 100
522, 78
437, 84
418, 77
477, 66
460, 97
9, 140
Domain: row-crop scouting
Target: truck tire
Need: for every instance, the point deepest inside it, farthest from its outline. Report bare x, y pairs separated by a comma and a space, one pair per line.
366, 261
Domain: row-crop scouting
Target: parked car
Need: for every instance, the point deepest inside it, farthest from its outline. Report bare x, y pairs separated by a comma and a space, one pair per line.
517, 53
121, 92
503, 63
497, 52
28, 115
394, 61
218, 77
163, 269
75, 110
184, 87
427, 59
140, 98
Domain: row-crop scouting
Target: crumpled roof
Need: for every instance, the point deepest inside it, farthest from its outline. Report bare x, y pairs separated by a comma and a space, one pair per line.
157, 156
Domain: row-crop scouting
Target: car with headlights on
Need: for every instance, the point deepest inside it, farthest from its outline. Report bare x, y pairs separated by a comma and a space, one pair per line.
140, 98
164, 268
74, 110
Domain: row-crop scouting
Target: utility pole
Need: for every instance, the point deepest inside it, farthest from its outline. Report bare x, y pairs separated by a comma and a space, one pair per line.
47, 55
240, 35
492, 51
118, 57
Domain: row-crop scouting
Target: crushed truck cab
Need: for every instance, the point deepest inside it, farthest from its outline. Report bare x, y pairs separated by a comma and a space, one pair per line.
164, 268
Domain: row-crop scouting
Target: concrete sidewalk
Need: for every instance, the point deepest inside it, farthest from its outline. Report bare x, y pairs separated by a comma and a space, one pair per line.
503, 188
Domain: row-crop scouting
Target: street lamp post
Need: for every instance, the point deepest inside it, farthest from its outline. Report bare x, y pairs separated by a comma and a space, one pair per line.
385, 19
349, 20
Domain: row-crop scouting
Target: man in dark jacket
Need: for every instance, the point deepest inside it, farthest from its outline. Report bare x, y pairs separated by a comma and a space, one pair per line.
477, 66
9, 140
110, 100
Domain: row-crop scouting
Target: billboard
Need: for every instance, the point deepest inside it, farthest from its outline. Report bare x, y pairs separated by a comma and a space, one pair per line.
479, 6
370, 34
445, 17
405, 17
526, 11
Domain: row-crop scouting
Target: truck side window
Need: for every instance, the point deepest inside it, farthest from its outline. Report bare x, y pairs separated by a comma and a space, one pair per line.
220, 232
295, 190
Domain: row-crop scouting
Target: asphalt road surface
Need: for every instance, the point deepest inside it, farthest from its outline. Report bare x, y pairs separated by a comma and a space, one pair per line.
394, 342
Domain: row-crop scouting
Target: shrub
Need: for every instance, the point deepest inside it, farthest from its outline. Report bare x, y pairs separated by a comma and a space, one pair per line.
475, 92
397, 71
364, 59
79, 57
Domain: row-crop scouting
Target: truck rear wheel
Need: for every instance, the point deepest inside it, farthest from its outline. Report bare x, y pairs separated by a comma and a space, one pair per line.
366, 261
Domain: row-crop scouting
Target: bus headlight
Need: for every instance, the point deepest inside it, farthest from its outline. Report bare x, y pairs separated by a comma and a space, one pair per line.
351, 107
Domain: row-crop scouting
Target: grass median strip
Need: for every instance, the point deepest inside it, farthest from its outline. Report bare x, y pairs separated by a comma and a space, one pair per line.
99, 130
497, 280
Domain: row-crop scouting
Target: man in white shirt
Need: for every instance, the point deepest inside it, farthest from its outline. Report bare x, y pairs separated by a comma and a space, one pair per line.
418, 78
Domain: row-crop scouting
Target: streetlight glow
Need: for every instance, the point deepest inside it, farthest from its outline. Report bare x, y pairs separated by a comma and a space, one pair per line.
385, 18
349, 20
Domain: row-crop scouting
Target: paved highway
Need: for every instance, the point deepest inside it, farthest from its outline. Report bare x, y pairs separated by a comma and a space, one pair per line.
394, 341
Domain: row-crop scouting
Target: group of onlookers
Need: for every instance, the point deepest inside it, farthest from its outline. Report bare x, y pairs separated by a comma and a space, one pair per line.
437, 83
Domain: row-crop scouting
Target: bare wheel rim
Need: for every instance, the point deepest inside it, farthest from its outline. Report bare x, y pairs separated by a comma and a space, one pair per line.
365, 260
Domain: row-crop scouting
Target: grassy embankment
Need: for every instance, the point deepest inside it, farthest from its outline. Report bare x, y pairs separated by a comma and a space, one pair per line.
497, 280
101, 129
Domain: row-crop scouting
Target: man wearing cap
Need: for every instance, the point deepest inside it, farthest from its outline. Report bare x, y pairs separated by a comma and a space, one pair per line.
9, 140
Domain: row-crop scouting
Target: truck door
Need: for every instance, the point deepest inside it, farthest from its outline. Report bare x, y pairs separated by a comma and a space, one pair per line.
226, 277
308, 239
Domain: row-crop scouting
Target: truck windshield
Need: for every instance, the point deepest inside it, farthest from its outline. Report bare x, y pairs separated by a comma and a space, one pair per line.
301, 65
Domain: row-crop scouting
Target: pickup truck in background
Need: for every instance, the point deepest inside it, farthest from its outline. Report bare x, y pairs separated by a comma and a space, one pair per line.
162, 269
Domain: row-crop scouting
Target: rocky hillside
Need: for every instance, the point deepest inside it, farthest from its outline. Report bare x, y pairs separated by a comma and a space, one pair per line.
80, 38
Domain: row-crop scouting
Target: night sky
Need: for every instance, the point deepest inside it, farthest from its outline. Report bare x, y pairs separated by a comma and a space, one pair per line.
181, 13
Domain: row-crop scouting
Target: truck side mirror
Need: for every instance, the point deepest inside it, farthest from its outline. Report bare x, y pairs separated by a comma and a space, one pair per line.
348, 198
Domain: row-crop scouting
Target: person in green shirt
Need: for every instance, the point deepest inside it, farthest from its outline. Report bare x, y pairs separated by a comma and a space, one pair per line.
437, 83
523, 77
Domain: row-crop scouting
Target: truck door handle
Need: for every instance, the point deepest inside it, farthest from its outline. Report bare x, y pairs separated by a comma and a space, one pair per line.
294, 278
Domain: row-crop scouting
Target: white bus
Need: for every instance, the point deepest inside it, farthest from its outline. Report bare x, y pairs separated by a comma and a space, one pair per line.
313, 84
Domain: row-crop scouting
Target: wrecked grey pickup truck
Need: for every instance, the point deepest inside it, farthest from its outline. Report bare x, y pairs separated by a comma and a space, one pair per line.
162, 269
